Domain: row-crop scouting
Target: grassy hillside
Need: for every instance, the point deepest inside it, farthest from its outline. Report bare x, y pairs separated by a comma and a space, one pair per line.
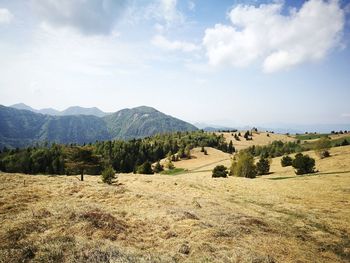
258, 138
189, 217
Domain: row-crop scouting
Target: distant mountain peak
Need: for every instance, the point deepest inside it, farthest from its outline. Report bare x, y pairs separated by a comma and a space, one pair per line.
145, 109
78, 110
22, 106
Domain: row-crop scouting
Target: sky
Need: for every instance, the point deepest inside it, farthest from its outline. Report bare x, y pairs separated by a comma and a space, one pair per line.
219, 62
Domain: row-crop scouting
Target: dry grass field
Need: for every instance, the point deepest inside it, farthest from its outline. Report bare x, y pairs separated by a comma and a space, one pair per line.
184, 218
259, 138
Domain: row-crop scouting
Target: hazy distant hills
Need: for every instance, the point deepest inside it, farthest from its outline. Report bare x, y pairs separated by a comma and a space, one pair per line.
23, 127
74, 110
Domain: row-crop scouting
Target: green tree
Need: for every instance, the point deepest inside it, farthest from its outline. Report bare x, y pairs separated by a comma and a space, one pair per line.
158, 167
181, 153
188, 152
244, 165
220, 171
231, 148
303, 164
286, 161
108, 175
263, 166
145, 168
322, 147
80, 159
247, 134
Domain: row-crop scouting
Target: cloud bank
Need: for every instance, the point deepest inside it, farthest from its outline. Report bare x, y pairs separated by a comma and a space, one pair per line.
280, 41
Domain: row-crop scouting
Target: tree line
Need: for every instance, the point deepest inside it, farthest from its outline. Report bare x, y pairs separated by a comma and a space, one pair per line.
122, 156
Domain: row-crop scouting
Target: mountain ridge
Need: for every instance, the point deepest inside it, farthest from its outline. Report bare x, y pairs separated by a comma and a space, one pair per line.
22, 127
72, 110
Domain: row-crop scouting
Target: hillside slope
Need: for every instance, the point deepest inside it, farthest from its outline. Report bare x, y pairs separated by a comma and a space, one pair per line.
19, 128
185, 218
258, 138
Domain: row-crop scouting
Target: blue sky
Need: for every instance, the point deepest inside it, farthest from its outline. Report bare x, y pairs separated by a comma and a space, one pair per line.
221, 62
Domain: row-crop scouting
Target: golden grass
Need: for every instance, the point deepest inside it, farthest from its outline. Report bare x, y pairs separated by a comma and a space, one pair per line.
259, 138
201, 162
188, 218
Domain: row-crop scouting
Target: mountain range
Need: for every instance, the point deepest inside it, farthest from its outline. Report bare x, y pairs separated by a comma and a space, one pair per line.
26, 126
74, 110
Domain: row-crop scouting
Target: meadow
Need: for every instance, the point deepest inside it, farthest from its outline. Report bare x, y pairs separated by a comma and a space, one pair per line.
187, 216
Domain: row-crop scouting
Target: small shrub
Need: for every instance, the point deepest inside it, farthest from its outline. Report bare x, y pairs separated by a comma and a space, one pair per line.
145, 168
108, 175
322, 147
263, 166
325, 154
286, 161
303, 164
170, 165
220, 171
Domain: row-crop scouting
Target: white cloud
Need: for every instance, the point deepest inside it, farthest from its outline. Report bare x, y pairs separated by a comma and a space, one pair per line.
280, 41
346, 115
191, 5
163, 11
163, 43
5, 16
170, 12
88, 17
54, 51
